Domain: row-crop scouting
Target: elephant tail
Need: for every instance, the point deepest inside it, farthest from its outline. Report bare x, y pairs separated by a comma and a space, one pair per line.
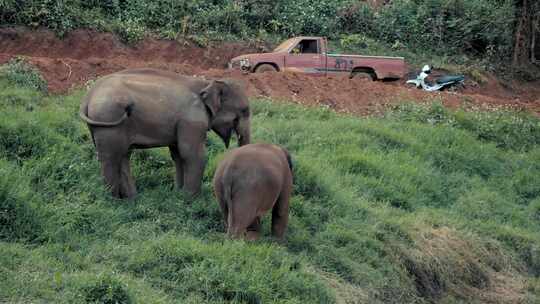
289, 159
83, 113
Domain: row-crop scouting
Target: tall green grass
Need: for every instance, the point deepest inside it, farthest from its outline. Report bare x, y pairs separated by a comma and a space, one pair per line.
421, 205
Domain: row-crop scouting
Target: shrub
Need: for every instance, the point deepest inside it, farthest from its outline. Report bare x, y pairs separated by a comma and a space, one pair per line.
130, 31
357, 17
449, 26
106, 289
353, 41
21, 73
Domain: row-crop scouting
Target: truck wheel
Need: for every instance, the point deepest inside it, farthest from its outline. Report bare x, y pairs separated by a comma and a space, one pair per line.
263, 68
362, 75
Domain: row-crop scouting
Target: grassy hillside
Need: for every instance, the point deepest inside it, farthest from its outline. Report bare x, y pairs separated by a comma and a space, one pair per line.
419, 206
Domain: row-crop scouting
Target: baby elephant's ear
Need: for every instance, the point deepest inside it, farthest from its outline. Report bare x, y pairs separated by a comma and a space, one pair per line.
211, 97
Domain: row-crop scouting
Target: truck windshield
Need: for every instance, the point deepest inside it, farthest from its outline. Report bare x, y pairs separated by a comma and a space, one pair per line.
284, 45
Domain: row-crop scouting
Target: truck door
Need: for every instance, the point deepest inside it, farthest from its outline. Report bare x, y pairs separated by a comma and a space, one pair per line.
306, 57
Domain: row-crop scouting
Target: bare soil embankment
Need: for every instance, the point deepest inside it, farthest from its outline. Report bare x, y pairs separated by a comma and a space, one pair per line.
84, 55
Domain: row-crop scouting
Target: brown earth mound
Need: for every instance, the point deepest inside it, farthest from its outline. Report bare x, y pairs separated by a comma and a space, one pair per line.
84, 55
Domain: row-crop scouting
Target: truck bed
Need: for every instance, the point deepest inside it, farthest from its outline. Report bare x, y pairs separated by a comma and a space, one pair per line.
381, 66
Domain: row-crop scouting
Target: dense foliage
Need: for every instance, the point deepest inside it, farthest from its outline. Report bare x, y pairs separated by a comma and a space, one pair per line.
448, 26
422, 205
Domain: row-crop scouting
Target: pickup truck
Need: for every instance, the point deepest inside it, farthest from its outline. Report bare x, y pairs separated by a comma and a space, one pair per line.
309, 55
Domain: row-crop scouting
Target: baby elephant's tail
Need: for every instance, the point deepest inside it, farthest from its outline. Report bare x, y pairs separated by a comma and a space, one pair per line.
288, 156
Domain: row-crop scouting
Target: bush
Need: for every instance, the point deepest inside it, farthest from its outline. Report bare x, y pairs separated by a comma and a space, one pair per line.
449, 26
308, 17
106, 289
130, 31
353, 41
19, 72
357, 17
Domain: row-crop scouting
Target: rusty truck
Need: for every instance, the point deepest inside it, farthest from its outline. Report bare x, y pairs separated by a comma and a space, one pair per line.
310, 55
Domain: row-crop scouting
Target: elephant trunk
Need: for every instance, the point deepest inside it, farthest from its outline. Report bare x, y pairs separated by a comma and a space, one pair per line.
243, 131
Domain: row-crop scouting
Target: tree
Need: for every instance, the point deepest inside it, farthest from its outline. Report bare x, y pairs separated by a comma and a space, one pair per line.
527, 32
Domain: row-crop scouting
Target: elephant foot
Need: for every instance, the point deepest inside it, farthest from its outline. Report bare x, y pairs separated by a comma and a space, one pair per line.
236, 233
252, 235
128, 192
130, 196
192, 193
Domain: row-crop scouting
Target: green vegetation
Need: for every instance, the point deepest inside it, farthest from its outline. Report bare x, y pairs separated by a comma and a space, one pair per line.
418, 206
461, 36
23, 74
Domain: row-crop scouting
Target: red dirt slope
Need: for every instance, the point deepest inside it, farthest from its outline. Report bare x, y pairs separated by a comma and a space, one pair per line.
84, 55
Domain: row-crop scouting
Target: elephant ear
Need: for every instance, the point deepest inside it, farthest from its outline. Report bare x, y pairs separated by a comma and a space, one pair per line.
211, 96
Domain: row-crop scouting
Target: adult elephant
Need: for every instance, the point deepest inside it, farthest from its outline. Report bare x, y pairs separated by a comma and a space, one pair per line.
146, 108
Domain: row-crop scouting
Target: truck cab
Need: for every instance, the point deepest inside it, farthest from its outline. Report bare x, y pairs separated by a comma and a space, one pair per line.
309, 55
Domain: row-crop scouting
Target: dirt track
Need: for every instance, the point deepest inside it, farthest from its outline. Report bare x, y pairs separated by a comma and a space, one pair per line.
84, 55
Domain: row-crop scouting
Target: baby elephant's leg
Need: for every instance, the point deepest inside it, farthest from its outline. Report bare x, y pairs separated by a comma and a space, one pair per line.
280, 215
241, 215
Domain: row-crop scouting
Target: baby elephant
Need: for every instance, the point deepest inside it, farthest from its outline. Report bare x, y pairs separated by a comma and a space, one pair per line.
250, 181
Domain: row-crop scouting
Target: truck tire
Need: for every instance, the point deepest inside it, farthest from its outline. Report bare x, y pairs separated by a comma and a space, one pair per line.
265, 67
362, 75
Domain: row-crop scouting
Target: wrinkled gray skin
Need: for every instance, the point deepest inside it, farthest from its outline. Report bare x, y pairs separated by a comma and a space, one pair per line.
250, 181
146, 108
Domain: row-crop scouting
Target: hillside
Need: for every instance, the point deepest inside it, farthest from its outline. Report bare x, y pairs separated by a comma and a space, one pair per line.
420, 205
83, 55
400, 195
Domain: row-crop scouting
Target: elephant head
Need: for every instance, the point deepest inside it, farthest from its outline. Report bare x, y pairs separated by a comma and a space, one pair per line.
228, 108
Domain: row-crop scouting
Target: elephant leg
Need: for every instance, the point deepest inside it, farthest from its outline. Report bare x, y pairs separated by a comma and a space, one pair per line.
111, 172
280, 215
191, 145
218, 190
254, 230
241, 215
225, 212
128, 188
112, 150
193, 171
175, 155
